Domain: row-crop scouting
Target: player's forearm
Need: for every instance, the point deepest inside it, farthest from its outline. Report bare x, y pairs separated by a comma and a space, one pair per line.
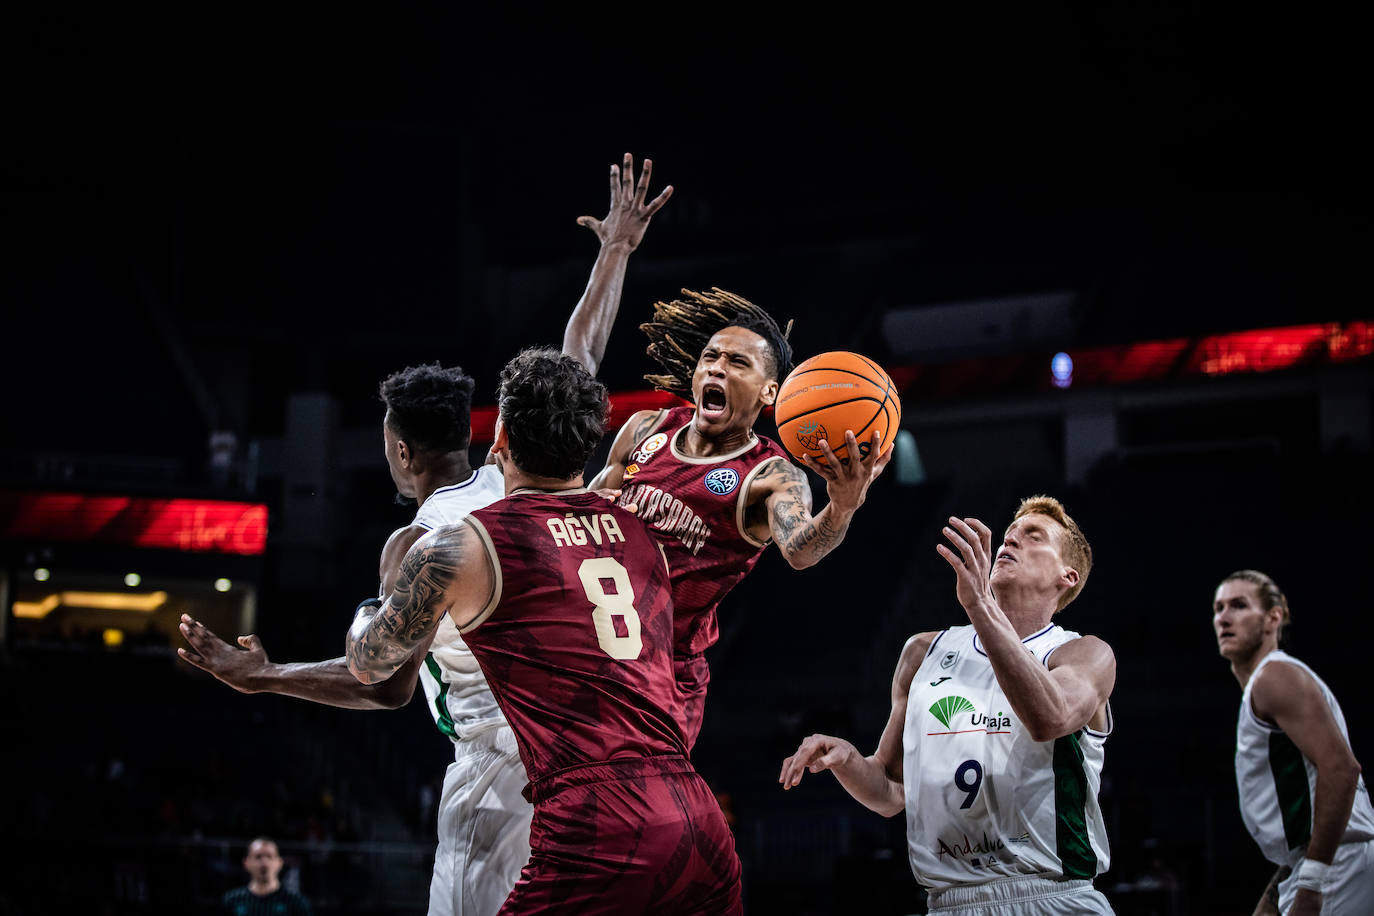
1032, 692
332, 684
867, 780
589, 328
1333, 797
805, 544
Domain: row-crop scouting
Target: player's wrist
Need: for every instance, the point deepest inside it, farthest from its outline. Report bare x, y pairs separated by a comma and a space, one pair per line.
618, 246
1311, 875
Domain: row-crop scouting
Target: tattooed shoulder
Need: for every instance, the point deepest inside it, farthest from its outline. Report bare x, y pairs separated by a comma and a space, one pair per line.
645, 425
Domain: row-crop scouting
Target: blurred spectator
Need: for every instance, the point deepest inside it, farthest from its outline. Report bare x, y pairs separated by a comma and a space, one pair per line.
264, 894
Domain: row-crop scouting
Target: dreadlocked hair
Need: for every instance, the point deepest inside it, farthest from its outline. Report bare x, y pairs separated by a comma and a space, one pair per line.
680, 330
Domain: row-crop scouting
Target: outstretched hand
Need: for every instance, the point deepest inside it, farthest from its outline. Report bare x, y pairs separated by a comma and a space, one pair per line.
611, 495
629, 215
815, 754
847, 484
972, 563
234, 666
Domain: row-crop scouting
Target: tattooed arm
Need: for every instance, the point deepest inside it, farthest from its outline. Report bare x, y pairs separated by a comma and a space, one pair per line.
247, 668
446, 571
640, 424
779, 502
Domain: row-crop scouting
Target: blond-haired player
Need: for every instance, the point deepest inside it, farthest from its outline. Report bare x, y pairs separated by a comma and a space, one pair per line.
994, 745
1301, 794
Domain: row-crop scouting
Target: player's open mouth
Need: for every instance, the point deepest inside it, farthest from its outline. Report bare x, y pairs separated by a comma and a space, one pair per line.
1006, 556
713, 401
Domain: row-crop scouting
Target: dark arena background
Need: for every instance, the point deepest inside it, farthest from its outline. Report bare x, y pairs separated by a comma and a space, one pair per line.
1117, 255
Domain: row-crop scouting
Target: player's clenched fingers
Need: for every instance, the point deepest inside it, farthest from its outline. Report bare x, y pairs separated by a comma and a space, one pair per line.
856, 466
831, 461
792, 769
194, 632
825, 470
874, 446
795, 766
833, 758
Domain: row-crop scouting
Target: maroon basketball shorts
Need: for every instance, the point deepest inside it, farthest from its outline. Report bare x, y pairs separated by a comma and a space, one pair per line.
693, 677
634, 836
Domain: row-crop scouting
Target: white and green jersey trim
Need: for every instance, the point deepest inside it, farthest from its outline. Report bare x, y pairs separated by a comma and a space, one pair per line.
984, 801
1276, 782
456, 691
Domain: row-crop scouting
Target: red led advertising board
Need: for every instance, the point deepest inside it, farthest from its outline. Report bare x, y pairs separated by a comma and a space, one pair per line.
192, 525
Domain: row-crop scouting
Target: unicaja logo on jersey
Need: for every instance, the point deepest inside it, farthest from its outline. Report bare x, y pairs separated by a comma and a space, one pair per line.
722, 481
949, 710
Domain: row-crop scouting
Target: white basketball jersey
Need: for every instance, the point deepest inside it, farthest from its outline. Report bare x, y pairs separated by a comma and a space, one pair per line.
1276, 781
459, 699
983, 799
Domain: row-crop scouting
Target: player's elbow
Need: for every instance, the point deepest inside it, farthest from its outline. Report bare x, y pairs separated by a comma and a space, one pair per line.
1344, 771
362, 674
394, 693
798, 559
579, 351
889, 808
1051, 727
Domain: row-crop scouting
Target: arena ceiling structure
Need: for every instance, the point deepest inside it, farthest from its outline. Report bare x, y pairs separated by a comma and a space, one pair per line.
216, 211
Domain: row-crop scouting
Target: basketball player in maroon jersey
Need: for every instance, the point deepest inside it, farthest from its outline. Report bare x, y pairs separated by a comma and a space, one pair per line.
713, 490
566, 603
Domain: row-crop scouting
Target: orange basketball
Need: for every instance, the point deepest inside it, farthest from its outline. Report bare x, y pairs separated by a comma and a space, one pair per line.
831, 393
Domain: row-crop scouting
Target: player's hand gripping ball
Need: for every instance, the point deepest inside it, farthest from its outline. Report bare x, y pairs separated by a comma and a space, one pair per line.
831, 393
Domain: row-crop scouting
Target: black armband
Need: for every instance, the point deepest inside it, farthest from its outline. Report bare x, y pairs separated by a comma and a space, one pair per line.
370, 602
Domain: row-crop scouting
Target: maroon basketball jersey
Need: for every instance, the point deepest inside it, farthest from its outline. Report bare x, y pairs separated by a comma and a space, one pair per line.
577, 642
694, 505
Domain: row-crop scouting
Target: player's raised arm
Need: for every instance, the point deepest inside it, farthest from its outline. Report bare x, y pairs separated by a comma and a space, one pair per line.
783, 493
874, 781
447, 571
1051, 701
620, 233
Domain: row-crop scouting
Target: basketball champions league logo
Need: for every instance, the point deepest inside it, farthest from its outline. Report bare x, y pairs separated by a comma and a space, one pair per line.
722, 481
810, 435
